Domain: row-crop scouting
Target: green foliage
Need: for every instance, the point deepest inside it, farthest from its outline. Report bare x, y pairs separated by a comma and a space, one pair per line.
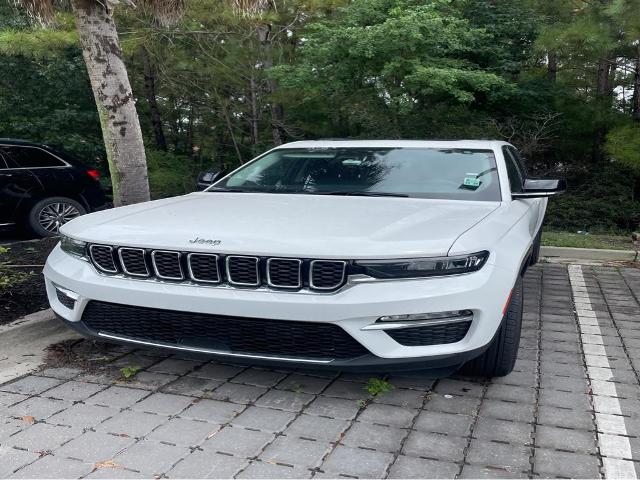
361, 68
171, 174
376, 387
590, 240
601, 200
10, 277
39, 44
623, 145
129, 372
378, 68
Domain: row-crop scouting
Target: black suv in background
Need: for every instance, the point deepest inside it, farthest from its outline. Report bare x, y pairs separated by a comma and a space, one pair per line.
42, 188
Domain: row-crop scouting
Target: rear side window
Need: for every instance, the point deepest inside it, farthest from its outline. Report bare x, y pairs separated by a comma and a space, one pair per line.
29, 157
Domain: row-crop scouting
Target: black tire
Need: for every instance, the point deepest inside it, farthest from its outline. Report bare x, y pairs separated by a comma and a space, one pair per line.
42, 220
498, 360
535, 253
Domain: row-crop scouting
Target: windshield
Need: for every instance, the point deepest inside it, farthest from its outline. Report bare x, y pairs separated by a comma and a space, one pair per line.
459, 174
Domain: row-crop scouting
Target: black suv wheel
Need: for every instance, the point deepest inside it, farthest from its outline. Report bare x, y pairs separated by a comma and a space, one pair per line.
498, 360
48, 215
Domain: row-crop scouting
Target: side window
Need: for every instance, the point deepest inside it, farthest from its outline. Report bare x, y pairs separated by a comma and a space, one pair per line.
3, 163
30, 157
519, 163
515, 176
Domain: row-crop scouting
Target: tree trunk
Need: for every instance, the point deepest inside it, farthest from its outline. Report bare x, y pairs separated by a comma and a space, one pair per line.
150, 93
115, 102
552, 66
255, 132
277, 109
603, 101
635, 102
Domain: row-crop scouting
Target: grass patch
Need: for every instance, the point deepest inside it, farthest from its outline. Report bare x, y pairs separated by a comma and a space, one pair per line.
577, 240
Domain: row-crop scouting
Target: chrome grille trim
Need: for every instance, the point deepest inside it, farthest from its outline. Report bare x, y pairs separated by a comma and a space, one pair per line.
243, 284
311, 267
124, 266
201, 280
201, 268
95, 262
275, 285
216, 352
155, 267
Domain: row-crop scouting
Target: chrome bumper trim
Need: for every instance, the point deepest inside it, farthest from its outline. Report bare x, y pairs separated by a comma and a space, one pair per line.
72, 295
211, 351
415, 323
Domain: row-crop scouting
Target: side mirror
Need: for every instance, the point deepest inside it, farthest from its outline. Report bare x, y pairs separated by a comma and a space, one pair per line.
206, 179
540, 187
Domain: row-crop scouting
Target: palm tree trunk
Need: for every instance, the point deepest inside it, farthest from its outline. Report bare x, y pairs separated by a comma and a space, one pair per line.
150, 92
114, 100
277, 109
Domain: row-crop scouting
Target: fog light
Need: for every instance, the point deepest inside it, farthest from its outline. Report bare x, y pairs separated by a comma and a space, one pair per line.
425, 316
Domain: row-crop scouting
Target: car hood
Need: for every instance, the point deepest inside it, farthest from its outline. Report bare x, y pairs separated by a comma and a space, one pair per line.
316, 226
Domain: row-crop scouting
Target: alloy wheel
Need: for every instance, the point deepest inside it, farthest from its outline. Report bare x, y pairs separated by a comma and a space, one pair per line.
54, 215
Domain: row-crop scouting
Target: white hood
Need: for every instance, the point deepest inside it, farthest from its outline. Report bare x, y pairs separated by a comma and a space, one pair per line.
312, 226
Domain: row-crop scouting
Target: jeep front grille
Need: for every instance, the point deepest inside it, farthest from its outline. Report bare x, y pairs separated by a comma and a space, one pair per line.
243, 271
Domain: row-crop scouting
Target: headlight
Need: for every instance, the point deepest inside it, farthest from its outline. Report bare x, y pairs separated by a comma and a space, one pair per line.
74, 247
422, 267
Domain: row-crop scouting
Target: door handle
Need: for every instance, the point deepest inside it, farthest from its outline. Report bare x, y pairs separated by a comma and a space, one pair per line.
6, 174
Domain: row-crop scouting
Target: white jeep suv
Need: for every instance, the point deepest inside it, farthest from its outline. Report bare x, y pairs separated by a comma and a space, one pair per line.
369, 254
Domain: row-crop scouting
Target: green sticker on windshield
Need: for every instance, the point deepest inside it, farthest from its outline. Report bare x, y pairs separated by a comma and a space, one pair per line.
471, 182
352, 161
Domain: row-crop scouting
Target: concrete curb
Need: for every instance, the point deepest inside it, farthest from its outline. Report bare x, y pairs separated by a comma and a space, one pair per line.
23, 343
588, 254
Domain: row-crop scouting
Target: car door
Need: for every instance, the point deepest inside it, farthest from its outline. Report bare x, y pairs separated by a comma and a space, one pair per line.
517, 174
16, 185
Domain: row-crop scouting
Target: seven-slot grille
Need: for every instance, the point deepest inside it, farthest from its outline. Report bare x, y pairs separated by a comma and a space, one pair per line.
208, 268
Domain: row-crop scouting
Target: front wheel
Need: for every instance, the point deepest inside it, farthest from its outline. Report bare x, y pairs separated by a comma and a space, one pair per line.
498, 360
48, 215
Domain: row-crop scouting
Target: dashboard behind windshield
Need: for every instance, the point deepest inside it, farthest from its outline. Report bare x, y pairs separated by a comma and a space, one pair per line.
458, 174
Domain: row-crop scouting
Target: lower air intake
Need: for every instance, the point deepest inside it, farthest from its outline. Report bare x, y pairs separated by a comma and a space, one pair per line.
229, 334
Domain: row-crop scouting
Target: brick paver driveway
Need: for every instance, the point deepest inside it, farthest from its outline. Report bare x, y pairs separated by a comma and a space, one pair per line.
571, 408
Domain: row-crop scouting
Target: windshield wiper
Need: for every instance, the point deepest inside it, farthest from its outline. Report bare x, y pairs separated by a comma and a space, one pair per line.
364, 194
227, 189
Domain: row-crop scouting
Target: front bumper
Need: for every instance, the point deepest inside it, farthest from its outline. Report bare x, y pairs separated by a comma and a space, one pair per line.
353, 308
